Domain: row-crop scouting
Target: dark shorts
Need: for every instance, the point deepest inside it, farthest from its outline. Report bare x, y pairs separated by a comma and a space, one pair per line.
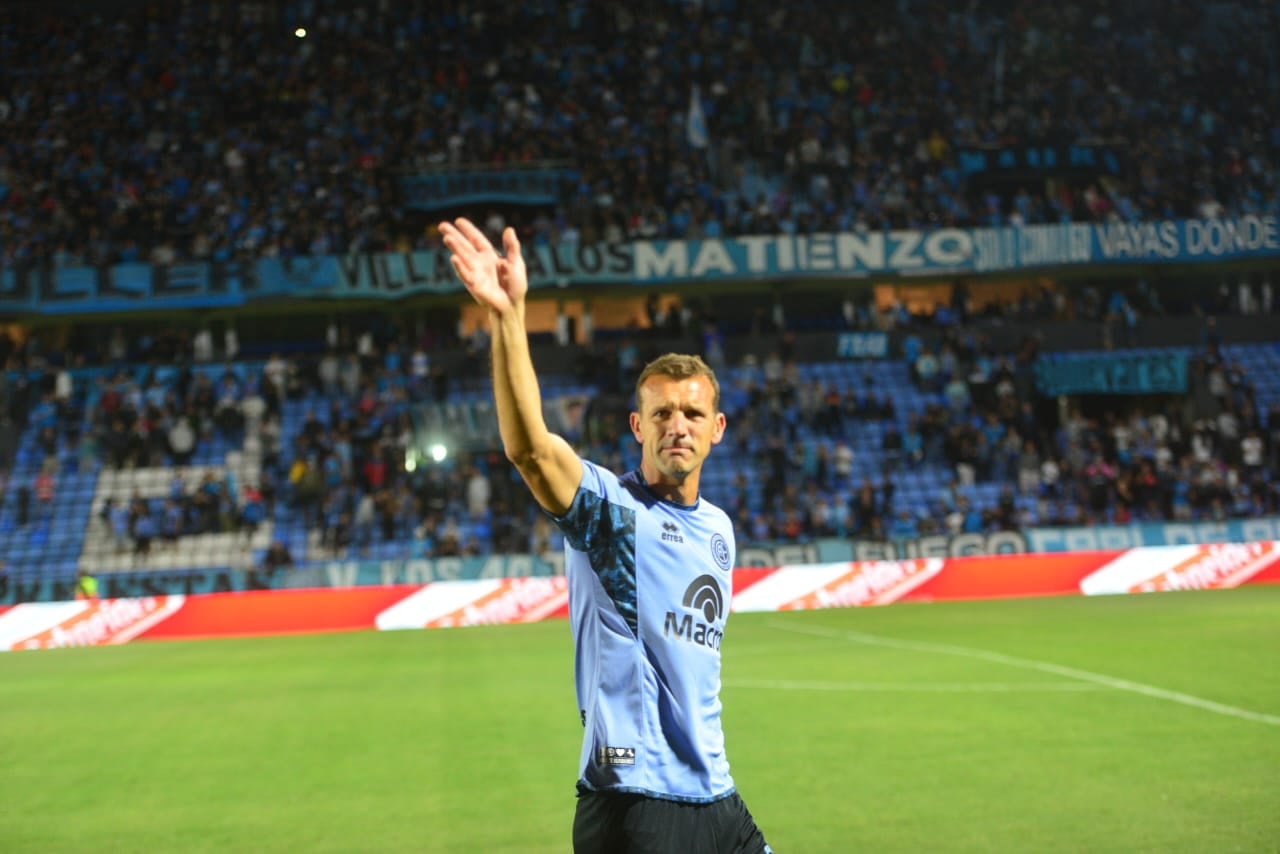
618, 823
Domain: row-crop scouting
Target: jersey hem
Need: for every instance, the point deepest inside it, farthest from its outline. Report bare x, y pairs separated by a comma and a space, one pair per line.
583, 785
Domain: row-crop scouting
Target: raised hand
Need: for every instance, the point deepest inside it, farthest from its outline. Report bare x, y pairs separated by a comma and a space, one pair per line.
494, 281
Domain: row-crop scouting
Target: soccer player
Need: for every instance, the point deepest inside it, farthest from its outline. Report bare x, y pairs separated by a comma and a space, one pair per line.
649, 565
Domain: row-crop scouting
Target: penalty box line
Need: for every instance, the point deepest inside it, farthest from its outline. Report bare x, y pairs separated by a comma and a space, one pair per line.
1037, 665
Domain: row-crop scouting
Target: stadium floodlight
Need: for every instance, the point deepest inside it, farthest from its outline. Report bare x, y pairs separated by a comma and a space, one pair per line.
410, 462
439, 452
300, 32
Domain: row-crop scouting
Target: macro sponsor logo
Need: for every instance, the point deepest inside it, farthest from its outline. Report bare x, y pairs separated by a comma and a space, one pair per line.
702, 596
869, 583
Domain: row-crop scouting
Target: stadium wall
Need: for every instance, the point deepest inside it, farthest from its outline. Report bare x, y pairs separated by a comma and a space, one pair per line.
141, 583
52, 625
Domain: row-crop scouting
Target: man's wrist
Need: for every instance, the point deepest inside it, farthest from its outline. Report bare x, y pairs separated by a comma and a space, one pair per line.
513, 313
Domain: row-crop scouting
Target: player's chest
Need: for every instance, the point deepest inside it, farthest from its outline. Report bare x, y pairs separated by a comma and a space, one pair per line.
688, 542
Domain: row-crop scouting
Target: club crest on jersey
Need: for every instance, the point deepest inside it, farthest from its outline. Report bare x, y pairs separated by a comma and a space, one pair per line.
720, 551
671, 533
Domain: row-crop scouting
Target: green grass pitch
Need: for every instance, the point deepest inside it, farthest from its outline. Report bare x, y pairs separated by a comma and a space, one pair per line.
880, 730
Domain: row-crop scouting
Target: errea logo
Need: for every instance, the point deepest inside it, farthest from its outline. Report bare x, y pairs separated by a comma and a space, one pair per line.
705, 597
671, 533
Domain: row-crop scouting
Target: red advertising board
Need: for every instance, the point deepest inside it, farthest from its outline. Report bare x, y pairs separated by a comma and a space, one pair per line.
46, 625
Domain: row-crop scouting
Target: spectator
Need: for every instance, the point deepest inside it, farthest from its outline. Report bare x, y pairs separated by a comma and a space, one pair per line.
44, 489
277, 556
182, 440
478, 492
86, 585
144, 531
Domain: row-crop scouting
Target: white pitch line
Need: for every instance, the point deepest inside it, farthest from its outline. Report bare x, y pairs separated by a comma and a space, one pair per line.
1041, 666
911, 687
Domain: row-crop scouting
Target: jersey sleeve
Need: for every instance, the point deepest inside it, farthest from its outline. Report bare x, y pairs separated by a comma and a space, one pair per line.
599, 497
601, 524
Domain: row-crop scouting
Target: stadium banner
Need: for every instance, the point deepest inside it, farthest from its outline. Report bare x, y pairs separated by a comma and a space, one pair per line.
100, 622
1113, 373
393, 275
448, 604
834, 549
1014, 161
949, 251
133, 287
1139, 534
862, 583
823, 550
863, 345
766, 553
353, 573
429, 191
45, 289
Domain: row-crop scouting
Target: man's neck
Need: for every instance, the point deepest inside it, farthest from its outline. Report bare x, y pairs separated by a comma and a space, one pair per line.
668, 489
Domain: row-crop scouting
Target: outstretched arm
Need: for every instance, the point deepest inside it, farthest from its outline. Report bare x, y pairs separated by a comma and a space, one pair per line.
545, 461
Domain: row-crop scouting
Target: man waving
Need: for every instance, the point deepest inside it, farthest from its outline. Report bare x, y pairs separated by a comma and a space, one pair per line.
649, 565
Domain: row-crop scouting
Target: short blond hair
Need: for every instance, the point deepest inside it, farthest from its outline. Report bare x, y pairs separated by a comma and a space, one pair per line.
679, 366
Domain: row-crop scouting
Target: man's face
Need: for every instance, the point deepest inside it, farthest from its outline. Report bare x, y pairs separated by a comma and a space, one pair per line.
677, 424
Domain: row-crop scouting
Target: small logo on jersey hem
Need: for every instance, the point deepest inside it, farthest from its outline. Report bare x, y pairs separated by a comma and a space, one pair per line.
671, 533
617, 755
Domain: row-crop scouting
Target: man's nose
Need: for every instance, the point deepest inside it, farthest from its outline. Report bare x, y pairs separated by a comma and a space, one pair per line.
678, 425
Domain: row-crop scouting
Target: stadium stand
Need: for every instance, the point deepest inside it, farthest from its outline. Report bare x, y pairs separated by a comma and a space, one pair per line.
198, 130
869, 450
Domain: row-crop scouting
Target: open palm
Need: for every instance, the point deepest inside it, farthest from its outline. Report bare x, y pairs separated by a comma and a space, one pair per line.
496, 282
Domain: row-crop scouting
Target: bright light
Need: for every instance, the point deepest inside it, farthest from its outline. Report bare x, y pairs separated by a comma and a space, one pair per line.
300, 32
410, 462
439, 452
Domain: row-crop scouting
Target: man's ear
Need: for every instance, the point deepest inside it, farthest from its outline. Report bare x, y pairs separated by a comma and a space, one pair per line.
718, 432
635, 427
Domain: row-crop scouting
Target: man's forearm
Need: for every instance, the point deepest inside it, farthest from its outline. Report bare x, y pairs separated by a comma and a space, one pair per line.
515, 390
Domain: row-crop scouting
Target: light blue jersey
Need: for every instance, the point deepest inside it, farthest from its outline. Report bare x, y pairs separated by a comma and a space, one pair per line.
649, 589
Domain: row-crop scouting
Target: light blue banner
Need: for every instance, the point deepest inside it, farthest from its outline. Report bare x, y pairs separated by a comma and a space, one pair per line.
1105, 537
364, 573
947, 251
955, 250
1039, 160
863, 345
345, 573
434, 191
1113, 373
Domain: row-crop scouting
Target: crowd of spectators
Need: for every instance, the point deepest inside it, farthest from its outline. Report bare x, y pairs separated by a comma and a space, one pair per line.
1212, 454
350, 465
209, 130
341, 468
214, 505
